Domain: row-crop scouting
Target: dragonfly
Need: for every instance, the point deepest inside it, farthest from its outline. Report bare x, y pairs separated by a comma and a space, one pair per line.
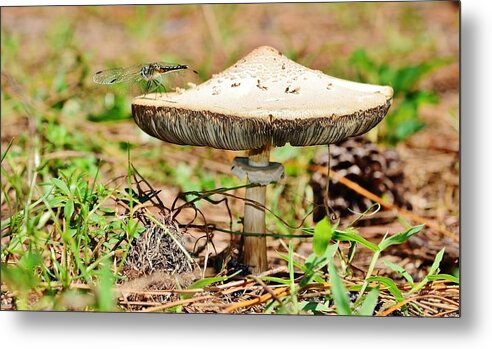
150, 75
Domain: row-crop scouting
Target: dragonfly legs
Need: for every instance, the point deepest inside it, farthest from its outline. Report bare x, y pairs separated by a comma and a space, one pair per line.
159, 85
154, 85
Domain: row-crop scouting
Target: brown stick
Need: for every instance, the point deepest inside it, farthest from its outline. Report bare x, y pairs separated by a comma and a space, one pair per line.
279, 292
175, 303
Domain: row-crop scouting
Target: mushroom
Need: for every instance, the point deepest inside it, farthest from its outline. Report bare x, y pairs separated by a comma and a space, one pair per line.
263, 100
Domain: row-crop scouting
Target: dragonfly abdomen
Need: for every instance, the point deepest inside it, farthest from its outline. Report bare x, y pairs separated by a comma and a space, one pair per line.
152, 71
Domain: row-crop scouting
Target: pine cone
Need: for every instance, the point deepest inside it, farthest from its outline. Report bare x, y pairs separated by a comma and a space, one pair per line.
360, 161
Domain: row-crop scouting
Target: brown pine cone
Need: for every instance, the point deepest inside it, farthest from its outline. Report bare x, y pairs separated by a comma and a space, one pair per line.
360, 161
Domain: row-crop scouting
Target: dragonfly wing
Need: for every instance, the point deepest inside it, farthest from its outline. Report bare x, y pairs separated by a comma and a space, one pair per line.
118, 75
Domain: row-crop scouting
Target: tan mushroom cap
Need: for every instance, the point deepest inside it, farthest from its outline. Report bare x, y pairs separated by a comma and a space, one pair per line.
264, 98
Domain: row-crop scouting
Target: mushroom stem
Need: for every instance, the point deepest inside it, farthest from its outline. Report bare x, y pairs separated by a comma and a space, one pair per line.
255, 251
326, 198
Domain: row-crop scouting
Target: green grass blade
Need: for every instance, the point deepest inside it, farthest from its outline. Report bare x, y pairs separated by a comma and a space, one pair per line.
6, 150
394, 290
396, 268
445, 277
340, 235
432, 271
400, 238
367, 307
208, 281
105, 296
275, 279
293, 288
314, 307
340, 294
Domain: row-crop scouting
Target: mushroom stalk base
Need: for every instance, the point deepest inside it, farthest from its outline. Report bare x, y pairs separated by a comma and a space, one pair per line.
254, 248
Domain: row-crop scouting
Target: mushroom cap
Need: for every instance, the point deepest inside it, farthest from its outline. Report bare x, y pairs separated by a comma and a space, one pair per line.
264, 98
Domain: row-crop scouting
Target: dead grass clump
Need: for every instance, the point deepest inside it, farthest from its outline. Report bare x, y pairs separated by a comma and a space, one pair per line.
156, 261
159, 248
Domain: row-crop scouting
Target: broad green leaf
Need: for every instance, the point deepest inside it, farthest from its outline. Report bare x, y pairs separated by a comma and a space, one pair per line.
62, 186
407, 77
56, 201
407, 128
425, 97
68, 210
367, 307
322, 236
387, 75
363, 64
395, 291
399, 238
340, 294
402, 121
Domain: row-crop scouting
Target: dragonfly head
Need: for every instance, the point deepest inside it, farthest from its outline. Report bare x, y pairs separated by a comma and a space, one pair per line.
147, 72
